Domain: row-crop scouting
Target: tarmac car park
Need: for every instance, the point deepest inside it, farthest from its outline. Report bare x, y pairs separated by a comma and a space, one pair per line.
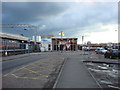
114, 53
100, 51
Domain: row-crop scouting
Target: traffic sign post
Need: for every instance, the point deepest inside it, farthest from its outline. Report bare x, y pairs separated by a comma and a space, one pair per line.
28, 46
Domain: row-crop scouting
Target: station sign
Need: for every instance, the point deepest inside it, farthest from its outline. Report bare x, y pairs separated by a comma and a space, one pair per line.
28, 40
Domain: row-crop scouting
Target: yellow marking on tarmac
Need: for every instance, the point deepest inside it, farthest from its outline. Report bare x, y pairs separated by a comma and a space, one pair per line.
14, 75
15, 70
18, 76
34, 78
5, 75
28, 77
46, 76
33, 65
30, 70
25, 67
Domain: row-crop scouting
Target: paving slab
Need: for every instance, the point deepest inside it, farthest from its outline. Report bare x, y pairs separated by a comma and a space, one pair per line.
75, 75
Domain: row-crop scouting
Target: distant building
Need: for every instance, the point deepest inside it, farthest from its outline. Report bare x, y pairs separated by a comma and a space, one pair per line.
13, 42
38, 38
88, 43
67, 44
46, 44
113, 45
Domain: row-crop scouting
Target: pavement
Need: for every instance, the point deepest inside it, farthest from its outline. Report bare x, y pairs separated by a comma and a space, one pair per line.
75, 74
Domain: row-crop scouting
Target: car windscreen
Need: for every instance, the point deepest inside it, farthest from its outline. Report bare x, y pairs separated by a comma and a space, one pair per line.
116, 51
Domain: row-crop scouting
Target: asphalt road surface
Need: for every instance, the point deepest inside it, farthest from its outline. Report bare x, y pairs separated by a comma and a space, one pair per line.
8, 65
31, 71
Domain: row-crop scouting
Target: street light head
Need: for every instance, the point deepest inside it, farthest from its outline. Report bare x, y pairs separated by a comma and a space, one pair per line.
21, 34
25, 29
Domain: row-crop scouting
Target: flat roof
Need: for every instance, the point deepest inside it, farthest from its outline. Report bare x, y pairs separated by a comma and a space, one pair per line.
12, 36
63, 38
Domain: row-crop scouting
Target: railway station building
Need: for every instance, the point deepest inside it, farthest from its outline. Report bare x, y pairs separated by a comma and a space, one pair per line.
66, 44
17, 44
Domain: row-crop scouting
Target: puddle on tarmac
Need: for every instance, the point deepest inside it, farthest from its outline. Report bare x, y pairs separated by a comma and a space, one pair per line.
108, 73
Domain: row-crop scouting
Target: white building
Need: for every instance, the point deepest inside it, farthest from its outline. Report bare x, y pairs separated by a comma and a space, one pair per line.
38, 38
46, 44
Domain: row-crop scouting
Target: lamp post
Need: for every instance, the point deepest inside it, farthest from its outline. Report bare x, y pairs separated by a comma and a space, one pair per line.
35, 36
82, 41
83, 45
117, 41
61, 42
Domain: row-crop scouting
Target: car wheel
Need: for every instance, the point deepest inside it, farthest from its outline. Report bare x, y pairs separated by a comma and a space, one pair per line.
111, 57
105, 56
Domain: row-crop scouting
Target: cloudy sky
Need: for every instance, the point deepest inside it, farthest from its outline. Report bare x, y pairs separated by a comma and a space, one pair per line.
96, 21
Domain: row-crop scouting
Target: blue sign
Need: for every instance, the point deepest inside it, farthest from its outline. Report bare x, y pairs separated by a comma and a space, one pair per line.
29, 40
44, 40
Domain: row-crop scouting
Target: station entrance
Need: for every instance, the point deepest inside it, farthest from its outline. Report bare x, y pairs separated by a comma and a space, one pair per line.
66, 44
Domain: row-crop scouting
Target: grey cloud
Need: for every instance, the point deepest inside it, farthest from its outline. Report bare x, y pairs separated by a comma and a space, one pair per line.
30, 12
61, 16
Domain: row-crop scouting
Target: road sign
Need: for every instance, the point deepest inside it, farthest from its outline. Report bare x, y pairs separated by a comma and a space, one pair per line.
68, 45
29, 41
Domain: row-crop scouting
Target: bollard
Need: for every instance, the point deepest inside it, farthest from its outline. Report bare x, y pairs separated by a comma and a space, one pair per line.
6, 54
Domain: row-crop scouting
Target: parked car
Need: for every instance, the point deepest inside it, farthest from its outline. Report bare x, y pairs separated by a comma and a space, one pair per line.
92, 48
115, 53
87, 49
100, 51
